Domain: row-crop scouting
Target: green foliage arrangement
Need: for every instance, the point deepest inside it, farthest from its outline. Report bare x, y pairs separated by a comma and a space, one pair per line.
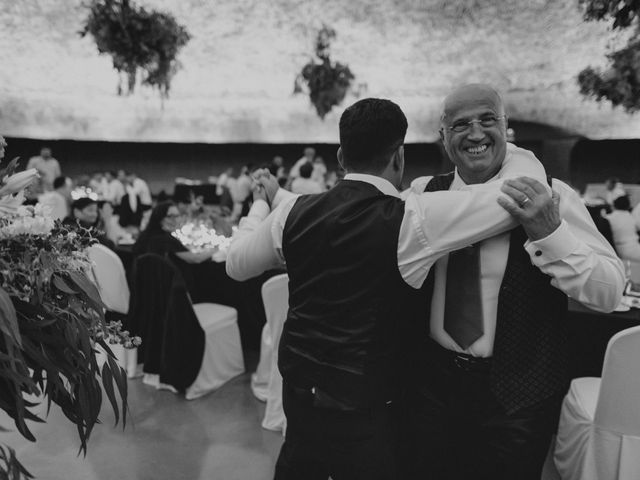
52, 323
137, 39
327, 82
620, 84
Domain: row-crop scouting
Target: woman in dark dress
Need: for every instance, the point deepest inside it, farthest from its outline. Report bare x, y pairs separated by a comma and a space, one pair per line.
194, 266
157, 237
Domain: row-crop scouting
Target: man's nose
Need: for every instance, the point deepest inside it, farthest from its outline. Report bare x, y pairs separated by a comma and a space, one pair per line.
476, 132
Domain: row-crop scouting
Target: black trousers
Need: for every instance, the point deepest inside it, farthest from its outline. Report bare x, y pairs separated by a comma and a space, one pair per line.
346, 445
453, 428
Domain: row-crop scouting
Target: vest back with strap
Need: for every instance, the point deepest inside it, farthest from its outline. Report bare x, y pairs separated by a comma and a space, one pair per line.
349, 308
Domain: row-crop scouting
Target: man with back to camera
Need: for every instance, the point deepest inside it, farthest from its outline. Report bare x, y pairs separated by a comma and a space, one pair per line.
357, 257
495, 363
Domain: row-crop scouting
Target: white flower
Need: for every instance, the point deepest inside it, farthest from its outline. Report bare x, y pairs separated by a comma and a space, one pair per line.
18, 182
11, 204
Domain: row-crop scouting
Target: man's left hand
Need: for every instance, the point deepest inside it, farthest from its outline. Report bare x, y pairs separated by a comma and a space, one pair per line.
532, 205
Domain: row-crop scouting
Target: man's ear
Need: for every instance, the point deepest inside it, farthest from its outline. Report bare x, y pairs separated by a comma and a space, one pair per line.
340, 158
398, 159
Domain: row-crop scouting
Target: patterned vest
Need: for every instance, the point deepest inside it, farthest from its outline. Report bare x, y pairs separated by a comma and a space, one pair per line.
530, 352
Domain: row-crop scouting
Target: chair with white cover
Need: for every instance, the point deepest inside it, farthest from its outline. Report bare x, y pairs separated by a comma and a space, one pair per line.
111, 281
275, 296
599, 432
260, 378
187, 348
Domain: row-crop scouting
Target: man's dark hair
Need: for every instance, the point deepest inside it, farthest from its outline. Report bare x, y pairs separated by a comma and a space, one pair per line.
306, 169
622, 203
59, 182
370, 131
82, 203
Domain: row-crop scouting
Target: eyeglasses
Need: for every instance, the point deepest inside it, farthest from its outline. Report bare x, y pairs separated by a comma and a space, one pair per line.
485, 122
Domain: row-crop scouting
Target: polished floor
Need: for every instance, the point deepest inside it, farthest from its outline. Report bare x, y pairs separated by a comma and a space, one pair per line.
217, 437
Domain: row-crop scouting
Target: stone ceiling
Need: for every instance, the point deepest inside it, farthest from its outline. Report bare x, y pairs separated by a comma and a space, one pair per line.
238, 70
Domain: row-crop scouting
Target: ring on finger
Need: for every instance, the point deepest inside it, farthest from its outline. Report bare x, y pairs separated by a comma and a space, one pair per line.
524, 202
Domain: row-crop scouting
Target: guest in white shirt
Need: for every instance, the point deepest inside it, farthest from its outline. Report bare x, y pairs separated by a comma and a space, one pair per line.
615, 189
509, 371
624, 229
304, 184
59, 200
309, 154
114, 190
319, 173
139, 188
48, 168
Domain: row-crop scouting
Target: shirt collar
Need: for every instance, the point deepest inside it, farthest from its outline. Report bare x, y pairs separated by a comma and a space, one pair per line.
458, 182
380, 183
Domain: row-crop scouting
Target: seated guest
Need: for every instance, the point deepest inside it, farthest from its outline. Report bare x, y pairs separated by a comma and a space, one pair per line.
624, 230
85, 213
58, 200
615, 189
304, 184
157, 238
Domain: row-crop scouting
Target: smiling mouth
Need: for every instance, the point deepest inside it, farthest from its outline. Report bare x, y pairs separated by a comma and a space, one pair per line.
479, 150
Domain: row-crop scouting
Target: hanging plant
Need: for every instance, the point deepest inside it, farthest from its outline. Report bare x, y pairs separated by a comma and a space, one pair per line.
137, 40
327, 82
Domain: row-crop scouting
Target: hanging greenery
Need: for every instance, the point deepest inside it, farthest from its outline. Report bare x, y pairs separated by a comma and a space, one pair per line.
327, 82
620, 83
137, 40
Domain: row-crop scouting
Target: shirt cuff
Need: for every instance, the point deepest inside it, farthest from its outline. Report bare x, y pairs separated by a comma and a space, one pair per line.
557, 245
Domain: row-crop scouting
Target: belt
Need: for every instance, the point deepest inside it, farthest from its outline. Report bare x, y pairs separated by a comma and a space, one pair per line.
461, 361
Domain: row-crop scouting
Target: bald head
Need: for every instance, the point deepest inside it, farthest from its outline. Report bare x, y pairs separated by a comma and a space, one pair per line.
473, 129
471, 94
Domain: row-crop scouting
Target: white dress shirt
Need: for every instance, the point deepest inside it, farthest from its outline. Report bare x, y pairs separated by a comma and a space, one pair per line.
141, 189
434, 223
580, 261
305, 186
114, 192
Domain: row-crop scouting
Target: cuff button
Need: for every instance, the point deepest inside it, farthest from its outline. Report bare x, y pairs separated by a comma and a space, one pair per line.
538, 253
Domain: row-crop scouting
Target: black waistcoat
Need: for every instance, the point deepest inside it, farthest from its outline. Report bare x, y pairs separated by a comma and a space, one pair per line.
347, 327
530, 351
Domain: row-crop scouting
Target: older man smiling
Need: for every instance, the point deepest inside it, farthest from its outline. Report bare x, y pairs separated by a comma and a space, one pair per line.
495, 352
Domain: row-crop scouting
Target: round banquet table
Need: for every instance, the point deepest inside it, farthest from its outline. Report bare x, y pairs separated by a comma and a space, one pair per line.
590, 331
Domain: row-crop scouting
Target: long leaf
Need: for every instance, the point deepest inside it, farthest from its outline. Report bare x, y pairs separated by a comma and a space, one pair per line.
107, 382
120, 376
87, 287
61, 285
9, 318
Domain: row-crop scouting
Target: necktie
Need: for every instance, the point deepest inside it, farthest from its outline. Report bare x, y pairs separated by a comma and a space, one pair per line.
463, 301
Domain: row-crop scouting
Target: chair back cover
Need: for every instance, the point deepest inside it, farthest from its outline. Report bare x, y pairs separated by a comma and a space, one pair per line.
161, 313
618, 408
275, 296
110, 278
